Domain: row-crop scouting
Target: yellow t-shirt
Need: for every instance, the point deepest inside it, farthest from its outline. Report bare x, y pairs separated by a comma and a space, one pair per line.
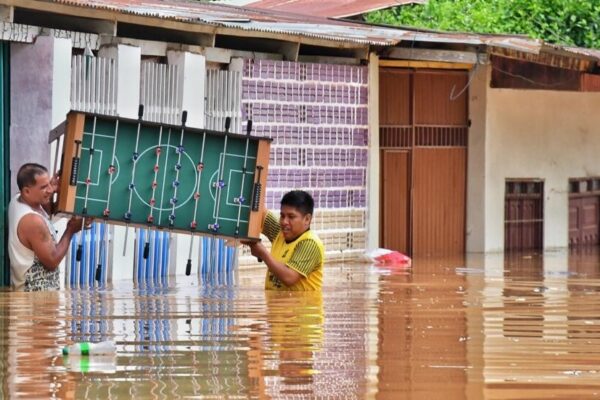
304, 255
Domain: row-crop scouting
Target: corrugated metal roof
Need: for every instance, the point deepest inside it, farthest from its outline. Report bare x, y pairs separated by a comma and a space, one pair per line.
309, 26
251, 19
329, 8
593, 53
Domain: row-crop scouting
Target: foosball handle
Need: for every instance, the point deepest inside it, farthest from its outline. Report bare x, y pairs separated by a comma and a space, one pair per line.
140, 111
183, 118
78, 253
98, 272
146, 250
188, 267
227, 124
249, 127
256, 190
75, 165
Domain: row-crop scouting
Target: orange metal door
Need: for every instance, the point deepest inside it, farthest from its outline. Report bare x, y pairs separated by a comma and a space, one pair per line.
439, 200
395, 203
423, 140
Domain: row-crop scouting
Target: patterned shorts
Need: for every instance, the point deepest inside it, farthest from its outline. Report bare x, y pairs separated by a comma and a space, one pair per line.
38, 278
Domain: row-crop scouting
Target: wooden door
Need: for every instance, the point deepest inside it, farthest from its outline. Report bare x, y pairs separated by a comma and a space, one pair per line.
584, 211
395, 220
439, 200
524, 215
423, 140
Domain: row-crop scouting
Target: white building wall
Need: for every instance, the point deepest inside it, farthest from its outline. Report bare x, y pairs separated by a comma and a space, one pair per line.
551, 135
476, 167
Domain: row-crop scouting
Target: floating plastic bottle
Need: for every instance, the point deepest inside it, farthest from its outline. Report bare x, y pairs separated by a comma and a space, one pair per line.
88, 349
106, 364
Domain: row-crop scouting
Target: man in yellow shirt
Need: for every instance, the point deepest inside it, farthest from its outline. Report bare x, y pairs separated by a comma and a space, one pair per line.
297, 254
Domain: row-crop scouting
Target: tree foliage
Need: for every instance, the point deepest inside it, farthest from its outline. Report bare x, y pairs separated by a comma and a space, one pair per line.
565, 22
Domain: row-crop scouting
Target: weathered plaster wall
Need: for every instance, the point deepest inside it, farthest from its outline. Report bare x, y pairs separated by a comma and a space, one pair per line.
32, 96
538, 134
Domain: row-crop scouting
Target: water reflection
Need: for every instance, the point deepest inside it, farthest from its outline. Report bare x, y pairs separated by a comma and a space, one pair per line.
493, 326
422, 331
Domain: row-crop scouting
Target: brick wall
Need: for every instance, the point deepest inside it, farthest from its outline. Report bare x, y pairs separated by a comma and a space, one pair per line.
316, 115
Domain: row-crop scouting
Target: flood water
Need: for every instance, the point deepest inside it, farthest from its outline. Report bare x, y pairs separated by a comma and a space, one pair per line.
493, 327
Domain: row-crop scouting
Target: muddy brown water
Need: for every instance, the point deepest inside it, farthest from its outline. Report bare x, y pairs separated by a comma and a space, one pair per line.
496, 327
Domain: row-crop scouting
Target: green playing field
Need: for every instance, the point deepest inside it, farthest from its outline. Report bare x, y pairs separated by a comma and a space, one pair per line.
163, 176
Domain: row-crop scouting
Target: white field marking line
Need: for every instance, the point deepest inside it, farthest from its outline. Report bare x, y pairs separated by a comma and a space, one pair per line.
162, 192
214, 173
244, 171
222, 160
99, 135
231, 172
175, 186
97, 182
156, 170
166, 208
229, 203
110, 180
132, 182
199, 175
87, 188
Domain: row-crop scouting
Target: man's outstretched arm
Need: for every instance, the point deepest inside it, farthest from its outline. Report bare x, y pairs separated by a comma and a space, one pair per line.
33, 233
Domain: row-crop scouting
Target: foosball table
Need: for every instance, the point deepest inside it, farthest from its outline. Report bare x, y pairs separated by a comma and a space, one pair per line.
158, 176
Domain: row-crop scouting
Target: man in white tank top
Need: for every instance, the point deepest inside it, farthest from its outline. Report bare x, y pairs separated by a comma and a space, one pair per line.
34, 251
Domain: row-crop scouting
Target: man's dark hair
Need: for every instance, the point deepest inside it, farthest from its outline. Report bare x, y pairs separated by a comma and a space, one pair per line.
300, 200
27, 174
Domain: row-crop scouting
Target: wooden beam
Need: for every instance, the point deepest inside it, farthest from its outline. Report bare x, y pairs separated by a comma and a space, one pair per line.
424, 64
66, 199
403, 53
256, 217
551, 60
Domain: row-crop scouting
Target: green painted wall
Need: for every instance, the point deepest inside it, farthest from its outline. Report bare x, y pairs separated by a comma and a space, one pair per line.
4, 158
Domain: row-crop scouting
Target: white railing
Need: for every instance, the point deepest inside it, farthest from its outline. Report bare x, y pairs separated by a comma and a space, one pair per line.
223, 99
160, 92
94, 84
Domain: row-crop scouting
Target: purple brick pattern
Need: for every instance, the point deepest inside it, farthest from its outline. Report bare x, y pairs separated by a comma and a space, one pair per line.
317, 157
318, 178
324, 198
276, 71
296, 134
306, 114
317, 116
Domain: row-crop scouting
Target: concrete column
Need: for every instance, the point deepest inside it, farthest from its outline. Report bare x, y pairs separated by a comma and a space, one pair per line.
40, 98
192, 80
476, 165
373, 182
129, 59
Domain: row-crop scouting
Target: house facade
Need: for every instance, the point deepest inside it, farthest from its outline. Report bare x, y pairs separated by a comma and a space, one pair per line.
424, 142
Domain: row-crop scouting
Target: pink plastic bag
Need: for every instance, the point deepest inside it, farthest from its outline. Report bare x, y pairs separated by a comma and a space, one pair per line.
388, 257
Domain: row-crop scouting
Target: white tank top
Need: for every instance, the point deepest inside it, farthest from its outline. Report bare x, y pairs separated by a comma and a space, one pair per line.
21, 258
